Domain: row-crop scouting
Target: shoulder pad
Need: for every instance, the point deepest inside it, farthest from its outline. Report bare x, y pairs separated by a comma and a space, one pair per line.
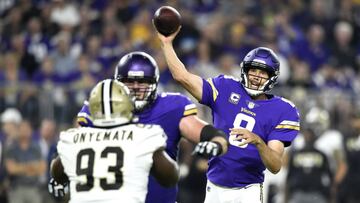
231, 78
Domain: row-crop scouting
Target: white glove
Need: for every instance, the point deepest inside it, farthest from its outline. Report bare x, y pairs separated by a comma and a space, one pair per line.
56, 189
207, 149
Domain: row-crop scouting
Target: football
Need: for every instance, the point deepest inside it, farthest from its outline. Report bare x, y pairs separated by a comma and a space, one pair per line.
167, 20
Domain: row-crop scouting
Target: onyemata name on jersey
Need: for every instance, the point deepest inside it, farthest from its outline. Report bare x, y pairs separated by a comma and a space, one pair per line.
232, 107
109, 165
167, 111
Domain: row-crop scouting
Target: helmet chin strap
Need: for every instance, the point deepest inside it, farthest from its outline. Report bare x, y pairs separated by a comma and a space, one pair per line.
253, 92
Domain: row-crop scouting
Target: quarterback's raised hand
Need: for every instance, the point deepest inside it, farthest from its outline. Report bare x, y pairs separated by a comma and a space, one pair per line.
56, 189
208, 149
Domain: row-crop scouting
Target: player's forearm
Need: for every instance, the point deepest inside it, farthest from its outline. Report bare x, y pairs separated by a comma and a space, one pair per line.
192, 83
165, 169
173, 175
223, 142
270, 158
177, 68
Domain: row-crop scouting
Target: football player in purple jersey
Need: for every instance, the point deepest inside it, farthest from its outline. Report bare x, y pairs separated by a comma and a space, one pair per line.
174, 112
258, 125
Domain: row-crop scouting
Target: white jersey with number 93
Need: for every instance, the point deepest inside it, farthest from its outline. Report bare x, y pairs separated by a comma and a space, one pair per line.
109, 165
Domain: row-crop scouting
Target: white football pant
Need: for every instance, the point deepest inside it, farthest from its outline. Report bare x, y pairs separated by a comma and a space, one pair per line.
249, 194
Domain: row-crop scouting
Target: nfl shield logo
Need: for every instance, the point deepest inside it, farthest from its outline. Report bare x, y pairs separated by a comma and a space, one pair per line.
251, 105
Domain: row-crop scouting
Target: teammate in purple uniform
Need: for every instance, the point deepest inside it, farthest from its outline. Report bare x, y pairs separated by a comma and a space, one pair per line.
175, 113
259, 125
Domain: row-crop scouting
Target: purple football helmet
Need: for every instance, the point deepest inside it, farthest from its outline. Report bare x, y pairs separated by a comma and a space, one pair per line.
139, 71
260, 58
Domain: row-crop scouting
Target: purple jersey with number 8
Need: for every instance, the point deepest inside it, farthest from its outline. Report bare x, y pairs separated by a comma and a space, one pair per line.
232, 107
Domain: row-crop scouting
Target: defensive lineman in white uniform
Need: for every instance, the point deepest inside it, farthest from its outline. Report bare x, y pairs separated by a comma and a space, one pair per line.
111, 161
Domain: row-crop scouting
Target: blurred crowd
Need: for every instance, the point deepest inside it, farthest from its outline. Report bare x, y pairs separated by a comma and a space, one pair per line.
52, 52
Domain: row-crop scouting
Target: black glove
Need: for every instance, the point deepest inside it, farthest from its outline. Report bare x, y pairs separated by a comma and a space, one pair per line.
207, 149
56, 189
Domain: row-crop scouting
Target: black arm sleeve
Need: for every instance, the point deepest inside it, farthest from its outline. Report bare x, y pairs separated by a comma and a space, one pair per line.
208, 132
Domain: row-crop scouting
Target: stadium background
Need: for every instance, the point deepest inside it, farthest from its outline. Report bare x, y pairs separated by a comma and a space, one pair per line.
52, 52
